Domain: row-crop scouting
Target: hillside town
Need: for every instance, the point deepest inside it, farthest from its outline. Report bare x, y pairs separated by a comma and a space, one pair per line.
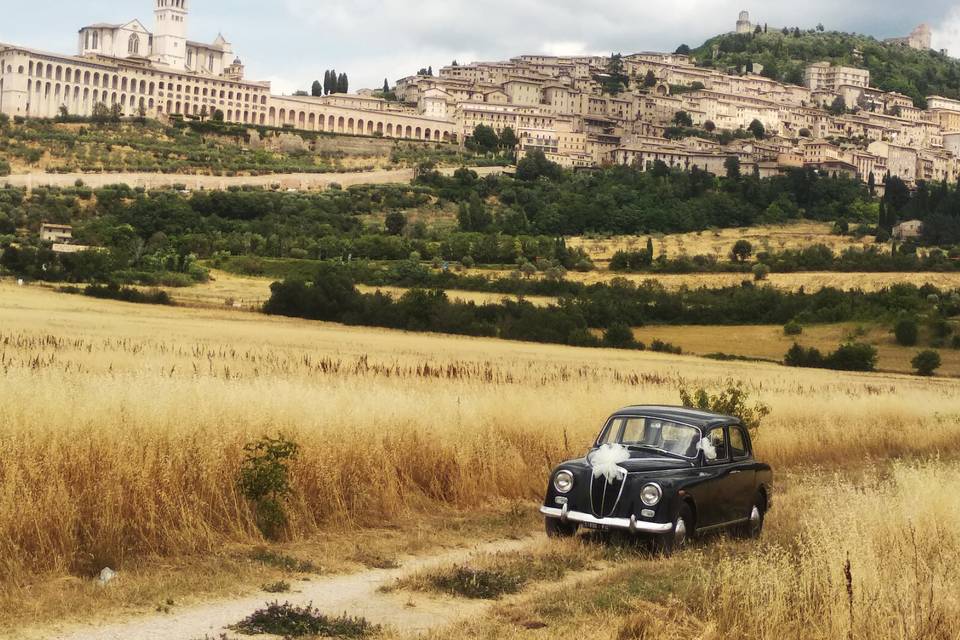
581, 112
837, 123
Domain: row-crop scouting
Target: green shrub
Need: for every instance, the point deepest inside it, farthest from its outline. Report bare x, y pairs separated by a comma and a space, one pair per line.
659, 346
127, 294
906, 332
291, 621
619, 336
280, 586
926, 362
733, 400
283, 561
760, 272
584, 265
940, 328
852, 356
481, 584
265, 481
792, 328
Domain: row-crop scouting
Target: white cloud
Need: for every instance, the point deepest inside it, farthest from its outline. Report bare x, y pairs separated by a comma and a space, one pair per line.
566, 49
402, 36
296, 40
946, 35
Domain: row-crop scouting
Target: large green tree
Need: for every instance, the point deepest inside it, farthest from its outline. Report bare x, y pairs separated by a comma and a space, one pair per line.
485, 138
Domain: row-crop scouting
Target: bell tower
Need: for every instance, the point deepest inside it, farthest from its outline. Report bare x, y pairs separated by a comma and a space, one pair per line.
170, 33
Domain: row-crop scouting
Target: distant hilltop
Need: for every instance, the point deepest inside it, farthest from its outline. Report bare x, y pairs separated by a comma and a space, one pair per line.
920, 38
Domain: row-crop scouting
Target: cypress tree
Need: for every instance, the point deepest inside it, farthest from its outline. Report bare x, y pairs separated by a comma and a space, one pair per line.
386, 86
333, 80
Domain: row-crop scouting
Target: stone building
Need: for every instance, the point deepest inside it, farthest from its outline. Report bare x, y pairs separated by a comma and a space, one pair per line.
909, 230
822, 76
920, 38
161, 73
743, 23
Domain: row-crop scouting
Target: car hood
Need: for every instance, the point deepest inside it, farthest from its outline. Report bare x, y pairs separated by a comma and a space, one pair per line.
655, 463
641, 462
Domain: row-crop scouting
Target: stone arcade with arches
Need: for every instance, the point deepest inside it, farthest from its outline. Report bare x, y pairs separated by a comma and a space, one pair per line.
162, 73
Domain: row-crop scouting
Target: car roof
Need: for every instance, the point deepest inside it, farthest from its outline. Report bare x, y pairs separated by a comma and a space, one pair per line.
683, 415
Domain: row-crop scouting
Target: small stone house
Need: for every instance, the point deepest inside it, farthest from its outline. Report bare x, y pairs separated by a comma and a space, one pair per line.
909, 230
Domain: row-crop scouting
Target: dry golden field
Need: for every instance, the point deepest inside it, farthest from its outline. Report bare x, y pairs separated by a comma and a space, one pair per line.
809, 280
122, 428
226, 290
768, 342
246, 292
898, 529
718, 242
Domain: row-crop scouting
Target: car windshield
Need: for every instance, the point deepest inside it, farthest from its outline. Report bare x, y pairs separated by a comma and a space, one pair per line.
652, 433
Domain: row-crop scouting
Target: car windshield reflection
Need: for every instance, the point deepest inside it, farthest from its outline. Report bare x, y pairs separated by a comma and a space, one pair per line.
653, 434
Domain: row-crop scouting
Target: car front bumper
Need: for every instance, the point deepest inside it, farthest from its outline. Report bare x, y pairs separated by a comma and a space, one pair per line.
627, 524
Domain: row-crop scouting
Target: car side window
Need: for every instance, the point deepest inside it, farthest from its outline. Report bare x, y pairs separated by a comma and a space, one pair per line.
718, 439
611, 432
738, 444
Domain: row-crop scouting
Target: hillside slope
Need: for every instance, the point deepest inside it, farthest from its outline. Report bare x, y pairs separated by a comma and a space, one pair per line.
918, 74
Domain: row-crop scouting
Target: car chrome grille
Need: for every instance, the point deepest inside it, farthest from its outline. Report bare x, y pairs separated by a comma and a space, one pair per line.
605, 496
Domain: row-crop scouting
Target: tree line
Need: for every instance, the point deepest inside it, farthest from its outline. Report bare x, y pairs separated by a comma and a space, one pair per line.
603, 305
333, 82
544, 198
902, 258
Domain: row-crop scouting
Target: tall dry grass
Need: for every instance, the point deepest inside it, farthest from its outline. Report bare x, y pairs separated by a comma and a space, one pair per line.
122, 428
869, 556
875, 559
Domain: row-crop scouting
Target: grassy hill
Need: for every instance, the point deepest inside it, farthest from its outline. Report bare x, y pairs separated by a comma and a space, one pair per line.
917, 74
205, 148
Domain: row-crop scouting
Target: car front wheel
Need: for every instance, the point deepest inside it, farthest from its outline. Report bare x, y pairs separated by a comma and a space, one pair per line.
679, 535
558, 529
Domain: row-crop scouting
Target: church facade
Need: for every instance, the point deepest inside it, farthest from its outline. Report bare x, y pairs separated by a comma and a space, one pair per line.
161, 73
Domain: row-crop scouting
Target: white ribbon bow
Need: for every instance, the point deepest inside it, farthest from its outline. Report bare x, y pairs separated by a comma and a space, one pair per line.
709, 450
606, 460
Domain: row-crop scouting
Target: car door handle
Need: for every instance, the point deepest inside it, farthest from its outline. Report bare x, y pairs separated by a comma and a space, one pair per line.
735, 471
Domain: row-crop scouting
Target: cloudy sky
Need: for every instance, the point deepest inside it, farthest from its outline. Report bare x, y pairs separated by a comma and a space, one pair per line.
291, 42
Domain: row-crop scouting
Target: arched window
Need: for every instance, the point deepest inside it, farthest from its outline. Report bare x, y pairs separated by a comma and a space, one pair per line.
133, 47
96, 39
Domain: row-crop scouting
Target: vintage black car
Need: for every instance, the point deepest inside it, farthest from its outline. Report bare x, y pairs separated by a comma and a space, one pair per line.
666, 472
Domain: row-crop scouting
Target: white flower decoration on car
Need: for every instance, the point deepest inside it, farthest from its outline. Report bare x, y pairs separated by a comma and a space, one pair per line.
709, 450
606, 460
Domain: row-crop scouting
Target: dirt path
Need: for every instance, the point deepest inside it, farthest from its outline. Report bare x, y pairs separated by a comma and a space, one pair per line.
355, 594
300, 181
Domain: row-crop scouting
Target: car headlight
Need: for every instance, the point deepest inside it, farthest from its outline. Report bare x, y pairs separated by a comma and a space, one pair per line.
563, 481
651, 494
